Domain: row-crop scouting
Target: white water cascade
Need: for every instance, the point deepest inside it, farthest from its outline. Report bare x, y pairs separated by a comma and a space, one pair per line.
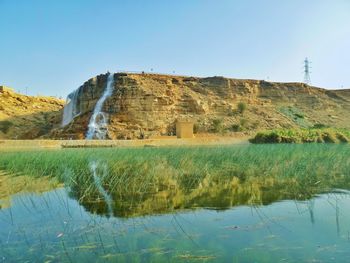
71, 110
97, 128
98, 183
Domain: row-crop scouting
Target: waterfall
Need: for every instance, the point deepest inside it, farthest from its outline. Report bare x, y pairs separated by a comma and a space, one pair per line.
97, 128
98, 183
70, 110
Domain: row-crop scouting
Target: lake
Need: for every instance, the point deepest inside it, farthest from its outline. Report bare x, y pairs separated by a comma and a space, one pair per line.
250, 203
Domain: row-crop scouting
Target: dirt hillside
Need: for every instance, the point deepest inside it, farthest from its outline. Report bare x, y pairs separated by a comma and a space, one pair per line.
27, 117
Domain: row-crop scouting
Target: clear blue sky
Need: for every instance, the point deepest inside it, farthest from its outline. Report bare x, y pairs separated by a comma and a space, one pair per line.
52, 47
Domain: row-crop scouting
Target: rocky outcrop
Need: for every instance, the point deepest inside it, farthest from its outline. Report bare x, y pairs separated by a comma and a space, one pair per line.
146, 105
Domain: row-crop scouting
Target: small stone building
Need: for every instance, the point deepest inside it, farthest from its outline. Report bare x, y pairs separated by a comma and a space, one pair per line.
184, 129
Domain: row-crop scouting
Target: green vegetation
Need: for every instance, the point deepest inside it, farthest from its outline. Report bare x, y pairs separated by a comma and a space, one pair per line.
239, 127
199, 127
241, 107
5, 126
327, 135
295, 115
236, 128
217, 125
183, 177
319, 126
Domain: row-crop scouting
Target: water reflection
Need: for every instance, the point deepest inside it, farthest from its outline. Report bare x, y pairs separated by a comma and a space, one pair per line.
103, 191
217, 218
10, 185
99, 172
53, 227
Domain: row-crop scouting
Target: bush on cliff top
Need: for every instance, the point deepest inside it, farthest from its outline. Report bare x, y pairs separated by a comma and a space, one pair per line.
303, 136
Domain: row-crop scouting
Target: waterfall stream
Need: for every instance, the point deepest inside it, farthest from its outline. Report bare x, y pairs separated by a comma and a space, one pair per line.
71, 110
97, 128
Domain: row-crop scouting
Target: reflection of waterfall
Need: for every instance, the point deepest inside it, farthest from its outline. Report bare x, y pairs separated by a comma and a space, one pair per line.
97, 128
311, 206
71, 109
97, 180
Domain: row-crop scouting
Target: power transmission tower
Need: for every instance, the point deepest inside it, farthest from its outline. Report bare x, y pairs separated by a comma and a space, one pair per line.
307, 67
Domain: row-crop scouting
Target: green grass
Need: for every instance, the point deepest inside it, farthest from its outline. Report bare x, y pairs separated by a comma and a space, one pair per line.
326, 135
192, 162
147, 179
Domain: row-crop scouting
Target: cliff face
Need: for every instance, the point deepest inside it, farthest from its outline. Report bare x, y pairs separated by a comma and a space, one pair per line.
146, 105
27, 117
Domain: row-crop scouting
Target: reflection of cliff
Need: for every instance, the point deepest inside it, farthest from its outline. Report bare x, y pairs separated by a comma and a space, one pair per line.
11, 185
171, 195
149, 104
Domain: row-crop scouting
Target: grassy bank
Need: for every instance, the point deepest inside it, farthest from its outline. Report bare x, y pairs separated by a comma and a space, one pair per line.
303, 136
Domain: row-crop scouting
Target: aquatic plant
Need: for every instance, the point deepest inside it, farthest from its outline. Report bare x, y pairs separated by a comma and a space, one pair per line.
146, 180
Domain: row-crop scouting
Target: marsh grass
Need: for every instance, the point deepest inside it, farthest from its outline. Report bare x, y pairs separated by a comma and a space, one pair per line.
144, 180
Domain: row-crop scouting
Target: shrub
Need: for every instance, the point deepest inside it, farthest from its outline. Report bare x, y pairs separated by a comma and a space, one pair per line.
266, 137
243, 122
241, 107
199, 127
302, 136
319, 126
342, 138
217, 125
5, 126
329, 137
236, 128
239, 127
299, 115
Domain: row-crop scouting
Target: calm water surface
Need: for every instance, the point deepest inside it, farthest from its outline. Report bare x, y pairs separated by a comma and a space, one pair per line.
52, 227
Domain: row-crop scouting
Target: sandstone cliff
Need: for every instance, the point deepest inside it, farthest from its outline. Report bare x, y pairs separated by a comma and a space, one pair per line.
146, 105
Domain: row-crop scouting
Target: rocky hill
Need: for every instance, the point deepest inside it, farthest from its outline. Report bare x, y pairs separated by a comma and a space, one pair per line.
148, 105
27, 117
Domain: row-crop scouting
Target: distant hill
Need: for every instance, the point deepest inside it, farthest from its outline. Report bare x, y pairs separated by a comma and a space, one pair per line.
27, 117
148, 105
